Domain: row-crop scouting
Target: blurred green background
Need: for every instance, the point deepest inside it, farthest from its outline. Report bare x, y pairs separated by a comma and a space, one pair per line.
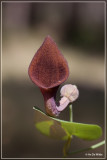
78, 30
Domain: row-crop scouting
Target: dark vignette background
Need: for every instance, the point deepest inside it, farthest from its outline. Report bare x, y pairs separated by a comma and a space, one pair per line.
78, 29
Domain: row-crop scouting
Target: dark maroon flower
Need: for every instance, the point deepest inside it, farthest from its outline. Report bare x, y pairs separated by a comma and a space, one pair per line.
49, 69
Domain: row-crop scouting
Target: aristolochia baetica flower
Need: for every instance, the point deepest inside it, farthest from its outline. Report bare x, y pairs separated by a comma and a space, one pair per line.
48, 70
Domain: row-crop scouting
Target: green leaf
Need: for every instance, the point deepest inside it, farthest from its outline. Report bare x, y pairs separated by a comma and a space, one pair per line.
61, 129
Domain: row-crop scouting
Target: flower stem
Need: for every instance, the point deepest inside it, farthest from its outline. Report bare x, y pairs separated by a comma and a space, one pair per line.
70, 113
66, 147
89, 148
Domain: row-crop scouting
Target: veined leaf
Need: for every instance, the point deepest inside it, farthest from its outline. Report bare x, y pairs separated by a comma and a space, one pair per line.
61, 129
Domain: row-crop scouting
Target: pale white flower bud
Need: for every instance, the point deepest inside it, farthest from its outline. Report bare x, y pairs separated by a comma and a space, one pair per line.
70, 91
69, 94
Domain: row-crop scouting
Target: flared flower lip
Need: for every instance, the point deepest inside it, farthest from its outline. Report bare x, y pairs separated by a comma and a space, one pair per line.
51, 86
57, 83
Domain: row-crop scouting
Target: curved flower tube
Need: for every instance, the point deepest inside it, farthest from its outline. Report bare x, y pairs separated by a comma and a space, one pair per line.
48, 69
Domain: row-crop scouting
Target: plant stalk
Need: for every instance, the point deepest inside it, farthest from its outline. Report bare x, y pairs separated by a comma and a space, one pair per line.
70, 113
89, 148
